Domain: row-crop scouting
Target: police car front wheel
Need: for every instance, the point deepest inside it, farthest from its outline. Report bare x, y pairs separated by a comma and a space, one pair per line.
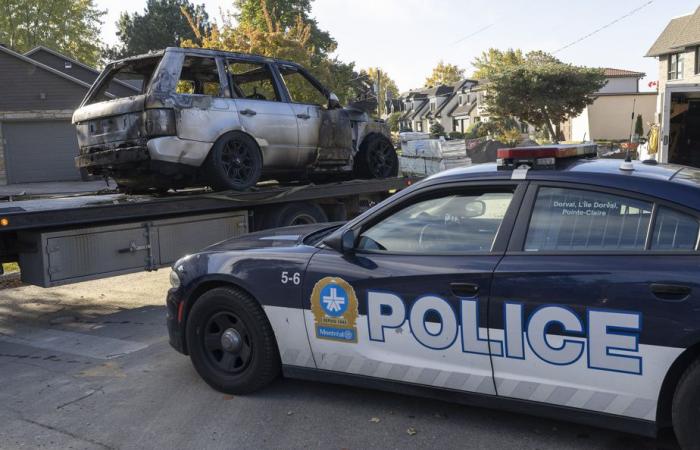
231, 342
686, 408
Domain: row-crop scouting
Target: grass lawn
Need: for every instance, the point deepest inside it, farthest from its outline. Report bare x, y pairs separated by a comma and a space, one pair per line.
10, 267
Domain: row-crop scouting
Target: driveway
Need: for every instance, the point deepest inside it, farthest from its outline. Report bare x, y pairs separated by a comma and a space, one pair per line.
89, 366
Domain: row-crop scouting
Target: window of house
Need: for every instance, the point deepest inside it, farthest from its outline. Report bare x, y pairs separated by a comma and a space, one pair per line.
252, 81
579, 220
675, 66
448, 223
674, 231
697, 60
524, 128
461, 99
199, 76
432, 106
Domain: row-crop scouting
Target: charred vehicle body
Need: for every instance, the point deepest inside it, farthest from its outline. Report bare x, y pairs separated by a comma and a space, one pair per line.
225, 120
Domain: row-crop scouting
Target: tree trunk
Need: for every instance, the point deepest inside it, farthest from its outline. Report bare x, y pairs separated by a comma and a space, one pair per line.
550, 128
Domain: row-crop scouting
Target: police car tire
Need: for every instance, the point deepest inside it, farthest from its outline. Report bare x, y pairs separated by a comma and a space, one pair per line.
265, 364
686, 408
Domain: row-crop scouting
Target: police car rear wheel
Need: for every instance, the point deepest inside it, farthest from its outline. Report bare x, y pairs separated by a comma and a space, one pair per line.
231, 343
686, 408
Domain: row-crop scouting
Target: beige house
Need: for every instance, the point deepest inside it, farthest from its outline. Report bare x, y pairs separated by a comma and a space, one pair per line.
612, 115
678, 105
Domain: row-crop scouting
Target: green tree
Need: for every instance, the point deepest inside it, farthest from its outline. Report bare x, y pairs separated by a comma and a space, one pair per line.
284, 13
290, 43
162, 24
542, 91
71, 27
493, 60
444, 73
393, 121
437, 130
639, 126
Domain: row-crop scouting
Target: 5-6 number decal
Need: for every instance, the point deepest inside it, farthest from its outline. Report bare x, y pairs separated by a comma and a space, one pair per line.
293, 278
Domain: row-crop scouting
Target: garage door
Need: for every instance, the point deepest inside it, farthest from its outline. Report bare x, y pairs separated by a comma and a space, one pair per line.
40, 151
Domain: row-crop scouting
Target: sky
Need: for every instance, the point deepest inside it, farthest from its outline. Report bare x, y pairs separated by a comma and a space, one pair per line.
407, 38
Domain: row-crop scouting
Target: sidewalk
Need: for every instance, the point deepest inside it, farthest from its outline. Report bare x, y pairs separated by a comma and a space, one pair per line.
55, 188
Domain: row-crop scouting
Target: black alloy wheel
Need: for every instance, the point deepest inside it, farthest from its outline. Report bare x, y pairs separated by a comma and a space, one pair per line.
381, 159
238, 162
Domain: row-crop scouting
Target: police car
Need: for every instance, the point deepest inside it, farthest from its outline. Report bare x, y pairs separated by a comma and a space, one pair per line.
551, 282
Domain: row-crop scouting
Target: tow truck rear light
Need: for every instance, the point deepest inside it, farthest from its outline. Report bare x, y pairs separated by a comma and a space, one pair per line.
544, 157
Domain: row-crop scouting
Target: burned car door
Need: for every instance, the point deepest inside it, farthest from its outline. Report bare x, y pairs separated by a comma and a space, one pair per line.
204, 111
325, 136
307, 102
263, 113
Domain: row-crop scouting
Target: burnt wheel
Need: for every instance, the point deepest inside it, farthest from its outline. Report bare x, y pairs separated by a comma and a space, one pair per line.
234, 162
376, 159
231, 343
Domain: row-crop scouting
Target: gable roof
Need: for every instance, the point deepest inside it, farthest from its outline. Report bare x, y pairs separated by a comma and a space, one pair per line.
41, 48
679, 33
457, 88
621, 73
44, 67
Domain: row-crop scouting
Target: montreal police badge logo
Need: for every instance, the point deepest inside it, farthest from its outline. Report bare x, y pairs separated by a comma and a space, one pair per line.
334, 306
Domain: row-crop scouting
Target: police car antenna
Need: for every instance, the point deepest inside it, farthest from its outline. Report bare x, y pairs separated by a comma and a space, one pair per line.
627, 163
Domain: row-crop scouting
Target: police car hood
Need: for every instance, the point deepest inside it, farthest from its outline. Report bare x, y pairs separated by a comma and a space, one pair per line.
277, 237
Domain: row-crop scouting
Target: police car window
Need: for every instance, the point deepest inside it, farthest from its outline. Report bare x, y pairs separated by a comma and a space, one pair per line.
457, 223
578, 220
674, 231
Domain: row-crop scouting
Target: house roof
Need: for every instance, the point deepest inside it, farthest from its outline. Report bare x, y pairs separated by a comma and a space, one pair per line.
463, 110
679, 33
39, 48
621, 73
457, 87
44, 67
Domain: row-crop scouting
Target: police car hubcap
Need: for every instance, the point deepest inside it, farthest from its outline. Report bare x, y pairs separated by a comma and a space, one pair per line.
231, 340
227, 343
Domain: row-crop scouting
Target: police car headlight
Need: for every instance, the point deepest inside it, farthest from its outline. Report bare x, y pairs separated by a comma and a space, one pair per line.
174, 279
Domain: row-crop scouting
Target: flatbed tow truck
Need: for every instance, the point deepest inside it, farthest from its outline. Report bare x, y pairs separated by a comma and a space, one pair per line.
60, 240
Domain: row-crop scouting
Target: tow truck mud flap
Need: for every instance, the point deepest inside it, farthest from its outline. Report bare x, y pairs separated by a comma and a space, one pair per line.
69, 256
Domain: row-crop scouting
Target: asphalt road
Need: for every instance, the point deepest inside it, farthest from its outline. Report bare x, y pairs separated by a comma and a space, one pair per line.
89, 366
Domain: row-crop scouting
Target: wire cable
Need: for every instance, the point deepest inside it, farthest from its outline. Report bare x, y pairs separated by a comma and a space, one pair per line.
639, 8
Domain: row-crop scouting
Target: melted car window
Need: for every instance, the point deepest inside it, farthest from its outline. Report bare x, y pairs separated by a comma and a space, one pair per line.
199, 76
457, 223
252, 81
570, 219
301, 90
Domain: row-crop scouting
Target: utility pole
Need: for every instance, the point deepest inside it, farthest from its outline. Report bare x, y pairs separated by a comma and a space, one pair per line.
378, 92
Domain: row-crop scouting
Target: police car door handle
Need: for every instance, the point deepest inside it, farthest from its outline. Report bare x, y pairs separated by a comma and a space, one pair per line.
464, 289
670, 291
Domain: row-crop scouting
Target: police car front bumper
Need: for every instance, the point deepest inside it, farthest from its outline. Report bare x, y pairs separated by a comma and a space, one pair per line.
176, 332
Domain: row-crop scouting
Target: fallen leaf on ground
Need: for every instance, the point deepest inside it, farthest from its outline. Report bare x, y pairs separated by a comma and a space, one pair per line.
411, 431
375, 420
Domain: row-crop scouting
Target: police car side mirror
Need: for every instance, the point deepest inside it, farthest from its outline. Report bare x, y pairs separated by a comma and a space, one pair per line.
475, 208
342, 242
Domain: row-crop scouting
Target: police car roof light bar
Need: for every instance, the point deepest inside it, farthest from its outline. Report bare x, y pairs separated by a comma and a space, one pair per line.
542, 156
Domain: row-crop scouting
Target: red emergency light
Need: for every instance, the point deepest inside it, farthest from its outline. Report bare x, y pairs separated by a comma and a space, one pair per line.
542, 156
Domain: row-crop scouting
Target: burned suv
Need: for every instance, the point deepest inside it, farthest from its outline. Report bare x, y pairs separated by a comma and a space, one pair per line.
225, 120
